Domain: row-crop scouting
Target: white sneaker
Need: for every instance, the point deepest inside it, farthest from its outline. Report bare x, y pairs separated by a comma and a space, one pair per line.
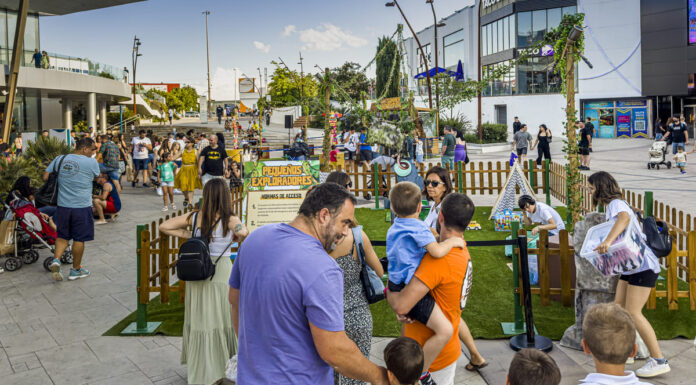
630, 361
173, 206
652, 369
165, 209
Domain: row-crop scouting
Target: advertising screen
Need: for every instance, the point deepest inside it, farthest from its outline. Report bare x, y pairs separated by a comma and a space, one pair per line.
692, 21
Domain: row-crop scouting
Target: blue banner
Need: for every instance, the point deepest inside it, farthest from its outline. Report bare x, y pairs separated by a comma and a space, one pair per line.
640, 123
623, 122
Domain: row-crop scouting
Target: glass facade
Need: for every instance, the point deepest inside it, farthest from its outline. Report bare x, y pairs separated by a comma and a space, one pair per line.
453, 49
8, 22
521, 30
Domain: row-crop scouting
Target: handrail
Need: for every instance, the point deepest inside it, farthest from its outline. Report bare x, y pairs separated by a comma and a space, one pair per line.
125, 122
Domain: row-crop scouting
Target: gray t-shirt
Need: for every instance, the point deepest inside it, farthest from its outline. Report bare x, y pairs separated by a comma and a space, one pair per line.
522, 139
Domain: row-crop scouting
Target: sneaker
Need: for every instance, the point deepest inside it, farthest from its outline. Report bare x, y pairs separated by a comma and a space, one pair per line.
173, 206
427, 380
652, 368
165, 208
77, 274
630, 361
146, 185
55, 269
683, 172
133, 184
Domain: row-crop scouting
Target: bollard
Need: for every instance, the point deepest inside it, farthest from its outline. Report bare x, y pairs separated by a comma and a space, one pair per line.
517, 327
140, 326
547, 178
529, 339
649, 204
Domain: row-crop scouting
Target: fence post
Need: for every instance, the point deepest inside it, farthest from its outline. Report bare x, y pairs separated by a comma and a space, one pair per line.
141, 326
460, 175
569, 214
648, 204
375, 184
517, 327
532, 177
547, 179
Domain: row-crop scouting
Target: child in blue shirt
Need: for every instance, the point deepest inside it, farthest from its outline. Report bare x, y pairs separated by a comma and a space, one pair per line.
407, 241
165, 177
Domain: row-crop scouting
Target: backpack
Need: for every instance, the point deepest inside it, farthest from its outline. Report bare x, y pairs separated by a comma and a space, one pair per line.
372, 283
657, 235
194, 263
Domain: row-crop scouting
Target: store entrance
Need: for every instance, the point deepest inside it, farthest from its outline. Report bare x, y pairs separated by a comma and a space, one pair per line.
690, 117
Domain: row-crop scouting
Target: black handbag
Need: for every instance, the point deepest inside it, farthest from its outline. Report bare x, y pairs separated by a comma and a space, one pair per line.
48, 193
372, 283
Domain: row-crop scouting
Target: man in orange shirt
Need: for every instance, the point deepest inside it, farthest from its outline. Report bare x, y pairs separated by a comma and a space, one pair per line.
448, 279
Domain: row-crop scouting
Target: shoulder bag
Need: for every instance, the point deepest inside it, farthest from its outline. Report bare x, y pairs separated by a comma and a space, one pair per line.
48, 193
372, 283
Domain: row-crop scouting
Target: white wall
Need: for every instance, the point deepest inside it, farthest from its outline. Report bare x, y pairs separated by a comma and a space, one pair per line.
614, 27
278, 114
51, 113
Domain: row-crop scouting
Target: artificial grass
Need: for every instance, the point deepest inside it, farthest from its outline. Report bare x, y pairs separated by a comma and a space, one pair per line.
490, 301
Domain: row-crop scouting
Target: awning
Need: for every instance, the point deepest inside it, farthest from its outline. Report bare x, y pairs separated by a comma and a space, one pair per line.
433, 71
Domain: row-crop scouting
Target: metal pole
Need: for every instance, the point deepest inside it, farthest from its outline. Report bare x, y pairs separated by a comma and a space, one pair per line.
437, 88
425, 60
519, 323
207, 52
141, 312
11, 80
135, 54
478, 74
120, 114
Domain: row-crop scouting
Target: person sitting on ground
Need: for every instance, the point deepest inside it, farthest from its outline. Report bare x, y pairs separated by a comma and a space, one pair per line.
407, 241
404, 359
528, 364
108, 202
537, 212
609, 336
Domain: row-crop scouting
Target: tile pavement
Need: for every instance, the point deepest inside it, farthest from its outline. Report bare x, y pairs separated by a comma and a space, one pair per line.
50, 333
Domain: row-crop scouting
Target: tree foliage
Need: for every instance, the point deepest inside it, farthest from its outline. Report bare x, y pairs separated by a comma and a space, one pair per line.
178, 99
387, 82
285, 87
351, 79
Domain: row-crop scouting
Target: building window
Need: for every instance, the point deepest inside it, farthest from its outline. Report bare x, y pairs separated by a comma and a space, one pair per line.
498, 36
554, 18
538, 25
422, 67
453, 49
524, 29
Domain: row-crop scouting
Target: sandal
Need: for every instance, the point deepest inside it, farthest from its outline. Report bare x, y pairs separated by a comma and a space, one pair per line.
473, 367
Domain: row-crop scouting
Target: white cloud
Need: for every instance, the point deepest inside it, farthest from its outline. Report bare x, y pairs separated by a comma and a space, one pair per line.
289, 30
263, 47
326, 37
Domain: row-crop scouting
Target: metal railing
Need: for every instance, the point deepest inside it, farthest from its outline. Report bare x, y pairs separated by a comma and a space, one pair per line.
59, 62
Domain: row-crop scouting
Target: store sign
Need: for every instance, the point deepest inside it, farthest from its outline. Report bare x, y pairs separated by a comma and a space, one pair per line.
631, 103
546, 50
692, 21
589, 105
490, 3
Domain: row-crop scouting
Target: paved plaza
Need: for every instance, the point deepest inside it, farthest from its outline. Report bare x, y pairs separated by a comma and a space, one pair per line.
50, 333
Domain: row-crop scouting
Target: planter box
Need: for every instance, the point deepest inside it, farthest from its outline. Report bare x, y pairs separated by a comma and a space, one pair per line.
475, 148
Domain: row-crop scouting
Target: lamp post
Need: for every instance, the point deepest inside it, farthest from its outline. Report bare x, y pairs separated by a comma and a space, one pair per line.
436, 25
135, 54
425, 60
207, 54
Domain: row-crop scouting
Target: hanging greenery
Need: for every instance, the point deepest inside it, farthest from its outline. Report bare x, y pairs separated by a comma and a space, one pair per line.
387, 68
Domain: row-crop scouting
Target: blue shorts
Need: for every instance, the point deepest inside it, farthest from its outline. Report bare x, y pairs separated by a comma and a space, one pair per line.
141, 164
151, 158
75, 223
112, 172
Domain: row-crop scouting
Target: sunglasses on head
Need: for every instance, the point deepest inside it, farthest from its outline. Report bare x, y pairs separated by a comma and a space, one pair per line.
433, 183
349, 185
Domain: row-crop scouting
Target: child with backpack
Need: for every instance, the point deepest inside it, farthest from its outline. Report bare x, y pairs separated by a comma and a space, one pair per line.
634, 286
165, 177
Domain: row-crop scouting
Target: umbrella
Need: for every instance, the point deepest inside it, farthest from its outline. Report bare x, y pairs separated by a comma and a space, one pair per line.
459, 75
432, 72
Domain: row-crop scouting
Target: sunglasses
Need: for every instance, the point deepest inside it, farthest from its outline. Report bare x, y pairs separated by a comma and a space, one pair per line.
432, 183
349, 185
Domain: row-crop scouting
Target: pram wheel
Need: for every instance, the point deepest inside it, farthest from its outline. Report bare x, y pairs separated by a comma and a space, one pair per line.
67, 257
30, 256
367, 196
47, 263
12, 263
649, 166
669, 164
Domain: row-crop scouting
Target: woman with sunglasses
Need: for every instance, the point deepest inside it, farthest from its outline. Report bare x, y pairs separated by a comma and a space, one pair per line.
437, 186
340, 177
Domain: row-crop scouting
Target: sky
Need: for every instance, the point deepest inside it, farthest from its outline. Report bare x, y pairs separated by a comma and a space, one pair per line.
243, 34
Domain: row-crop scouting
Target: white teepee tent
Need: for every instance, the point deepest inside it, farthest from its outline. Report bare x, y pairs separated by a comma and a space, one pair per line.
506, 199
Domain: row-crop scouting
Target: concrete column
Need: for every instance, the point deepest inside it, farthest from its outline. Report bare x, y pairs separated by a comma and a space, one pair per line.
102, 117
91, 110
67, 113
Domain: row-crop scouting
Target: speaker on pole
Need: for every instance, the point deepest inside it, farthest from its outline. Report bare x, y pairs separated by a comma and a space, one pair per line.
288, 121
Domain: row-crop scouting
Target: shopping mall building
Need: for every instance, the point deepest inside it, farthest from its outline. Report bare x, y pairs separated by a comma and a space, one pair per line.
643, 54
71, 88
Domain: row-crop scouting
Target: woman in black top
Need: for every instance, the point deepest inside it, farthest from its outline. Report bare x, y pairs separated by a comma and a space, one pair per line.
543, 140
660, 129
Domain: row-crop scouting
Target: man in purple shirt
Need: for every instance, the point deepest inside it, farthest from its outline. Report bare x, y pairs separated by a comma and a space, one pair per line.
286, 294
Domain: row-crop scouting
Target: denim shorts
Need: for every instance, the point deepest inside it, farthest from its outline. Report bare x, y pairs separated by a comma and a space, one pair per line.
112, 172
75, 223
141, 164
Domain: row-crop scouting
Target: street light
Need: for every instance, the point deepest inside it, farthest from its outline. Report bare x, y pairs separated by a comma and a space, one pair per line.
436, 25
207, 53
135, 54
425, 60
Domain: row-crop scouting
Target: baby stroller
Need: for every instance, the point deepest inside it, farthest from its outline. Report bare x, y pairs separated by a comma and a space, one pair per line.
31, 230
657, 152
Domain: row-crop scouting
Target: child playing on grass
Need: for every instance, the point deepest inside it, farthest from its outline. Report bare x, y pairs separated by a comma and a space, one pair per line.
407, 241
165, 177
680, 159
531, 366
609, 336
404, 359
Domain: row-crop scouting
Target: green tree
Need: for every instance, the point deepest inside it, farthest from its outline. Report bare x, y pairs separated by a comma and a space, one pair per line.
351, 79
285, 87
388, 64
188, 97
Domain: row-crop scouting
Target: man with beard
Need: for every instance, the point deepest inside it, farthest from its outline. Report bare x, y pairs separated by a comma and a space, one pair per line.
286, 294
